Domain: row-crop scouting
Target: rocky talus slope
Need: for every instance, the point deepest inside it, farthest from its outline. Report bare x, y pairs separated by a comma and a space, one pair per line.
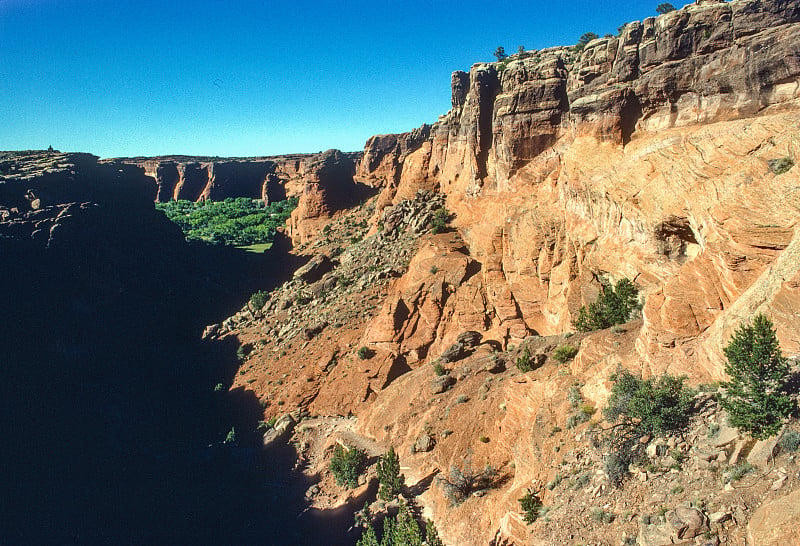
664, 155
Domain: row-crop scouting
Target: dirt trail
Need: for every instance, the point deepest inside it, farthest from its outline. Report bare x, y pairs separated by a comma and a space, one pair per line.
315, 435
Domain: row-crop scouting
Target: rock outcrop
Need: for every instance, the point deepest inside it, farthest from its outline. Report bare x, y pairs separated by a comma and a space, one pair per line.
328, 186
645, 155
198, 178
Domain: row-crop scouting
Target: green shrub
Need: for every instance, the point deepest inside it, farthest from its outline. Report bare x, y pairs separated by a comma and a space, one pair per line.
665, 8
651, 406
755, 397
500, 53
565, 353
789, 442
439, 370
780, 165
365, 353
441, 218
526, 362
642, 407
389, 477
259, 299
347, 464
531, 506
615, 305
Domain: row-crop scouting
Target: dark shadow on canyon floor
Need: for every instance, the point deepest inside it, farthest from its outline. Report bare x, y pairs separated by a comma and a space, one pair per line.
113, 431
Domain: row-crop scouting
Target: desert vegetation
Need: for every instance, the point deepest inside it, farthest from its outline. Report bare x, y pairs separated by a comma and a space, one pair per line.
756, 396
235, 221
460, 483
642, 407
389, 477
347, 464
615, 305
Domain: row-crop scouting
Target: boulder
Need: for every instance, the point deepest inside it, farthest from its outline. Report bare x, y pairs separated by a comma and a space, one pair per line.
314, 269
455, 352
280, 431
424, 443
442, 383
687, 522
469, 339
763, 452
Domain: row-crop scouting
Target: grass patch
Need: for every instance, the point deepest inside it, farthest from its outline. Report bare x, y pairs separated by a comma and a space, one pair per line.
258, 248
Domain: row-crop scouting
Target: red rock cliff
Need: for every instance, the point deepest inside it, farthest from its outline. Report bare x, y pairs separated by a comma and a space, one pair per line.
644, 155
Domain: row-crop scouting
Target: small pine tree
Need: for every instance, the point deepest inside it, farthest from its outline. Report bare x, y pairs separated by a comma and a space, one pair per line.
615, 305
755, 396
389, 532
439, 221
369, 538
391, 481
665, 8
585, 38
407, 531
521, 51
531, 505
347, 465
500, 53
432, 535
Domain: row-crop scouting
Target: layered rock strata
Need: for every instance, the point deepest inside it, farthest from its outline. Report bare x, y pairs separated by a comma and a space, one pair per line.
645, 155
268, 178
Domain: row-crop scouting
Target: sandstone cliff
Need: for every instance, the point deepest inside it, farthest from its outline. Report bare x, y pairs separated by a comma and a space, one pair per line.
555, 162
268, 178
653, 155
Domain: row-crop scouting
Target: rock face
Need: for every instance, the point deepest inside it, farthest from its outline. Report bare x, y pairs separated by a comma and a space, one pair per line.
645, 155
198, 178
776, 522
328, 187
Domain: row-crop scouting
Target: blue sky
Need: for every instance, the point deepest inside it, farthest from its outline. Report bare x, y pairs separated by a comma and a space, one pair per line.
121, 78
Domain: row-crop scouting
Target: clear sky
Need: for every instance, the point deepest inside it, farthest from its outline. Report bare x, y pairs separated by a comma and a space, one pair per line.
242, 78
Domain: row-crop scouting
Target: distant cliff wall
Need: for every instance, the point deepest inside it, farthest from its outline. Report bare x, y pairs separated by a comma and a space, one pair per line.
198, 178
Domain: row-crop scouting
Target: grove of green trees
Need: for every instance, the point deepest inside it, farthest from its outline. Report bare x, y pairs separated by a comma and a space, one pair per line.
235, 221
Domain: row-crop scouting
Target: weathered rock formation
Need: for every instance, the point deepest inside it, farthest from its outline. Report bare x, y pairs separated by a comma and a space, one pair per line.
328, 186
645, 155
199, 178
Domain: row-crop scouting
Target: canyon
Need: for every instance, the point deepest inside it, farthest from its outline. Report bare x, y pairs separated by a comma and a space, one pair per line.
665, 155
